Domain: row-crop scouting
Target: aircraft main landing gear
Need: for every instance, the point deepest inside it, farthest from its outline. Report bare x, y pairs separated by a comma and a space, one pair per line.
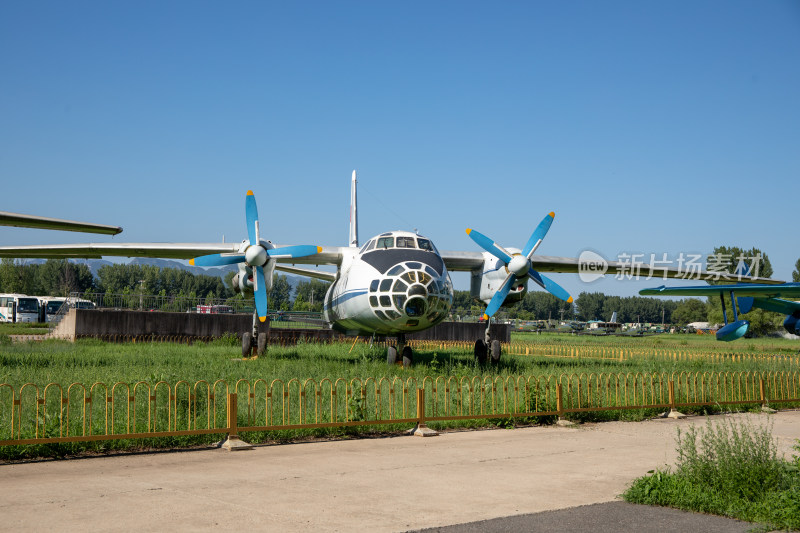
487, 349
254, 339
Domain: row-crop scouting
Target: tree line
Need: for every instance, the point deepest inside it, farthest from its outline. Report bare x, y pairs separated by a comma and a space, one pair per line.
59, 277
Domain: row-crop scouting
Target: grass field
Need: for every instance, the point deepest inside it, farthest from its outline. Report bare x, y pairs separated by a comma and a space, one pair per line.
92, 361
88, 361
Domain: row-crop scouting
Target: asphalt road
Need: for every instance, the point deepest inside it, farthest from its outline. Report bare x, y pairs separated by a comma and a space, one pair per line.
530, 479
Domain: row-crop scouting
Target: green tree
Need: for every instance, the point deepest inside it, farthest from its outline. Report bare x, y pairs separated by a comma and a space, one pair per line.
60, 277
309, 295
281, 294
726, 258
796, 271
688, 311
590, 305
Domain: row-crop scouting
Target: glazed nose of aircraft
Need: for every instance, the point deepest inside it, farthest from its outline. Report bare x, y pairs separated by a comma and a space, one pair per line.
417, 301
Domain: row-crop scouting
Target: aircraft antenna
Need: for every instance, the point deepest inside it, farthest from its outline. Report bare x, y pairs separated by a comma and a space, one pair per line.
353, 241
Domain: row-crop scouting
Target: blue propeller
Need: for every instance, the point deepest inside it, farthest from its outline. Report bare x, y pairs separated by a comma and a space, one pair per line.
256, 255
519, 265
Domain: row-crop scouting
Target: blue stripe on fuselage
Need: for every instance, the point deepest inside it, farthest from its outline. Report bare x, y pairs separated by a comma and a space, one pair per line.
346, 296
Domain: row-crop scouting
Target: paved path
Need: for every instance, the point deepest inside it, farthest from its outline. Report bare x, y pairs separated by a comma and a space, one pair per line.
387, 484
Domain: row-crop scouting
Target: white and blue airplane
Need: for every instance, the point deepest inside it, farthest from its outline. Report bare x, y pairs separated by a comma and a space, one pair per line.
396, 283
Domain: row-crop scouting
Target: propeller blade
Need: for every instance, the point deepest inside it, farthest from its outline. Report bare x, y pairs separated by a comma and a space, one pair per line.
489, 245
260, 291
217, 260
538, 234
550, 286
251, 213
500, 296
301, 250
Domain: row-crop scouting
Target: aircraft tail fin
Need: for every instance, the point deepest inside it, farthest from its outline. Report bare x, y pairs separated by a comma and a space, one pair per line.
353, 242
614, 317
742, 269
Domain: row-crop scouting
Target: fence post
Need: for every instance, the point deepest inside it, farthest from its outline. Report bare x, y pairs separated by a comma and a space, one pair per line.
421, 429
673, 412
763, 397
233, 443
560, 408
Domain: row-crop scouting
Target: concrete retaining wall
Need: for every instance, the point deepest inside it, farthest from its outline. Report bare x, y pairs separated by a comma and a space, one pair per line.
105, 322
462, 331
109, 323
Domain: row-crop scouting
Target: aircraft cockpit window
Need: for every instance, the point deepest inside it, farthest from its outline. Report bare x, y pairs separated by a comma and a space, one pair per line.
370, 245
385, 242
410, 277
406, 242
431, 271
425, 244
423, 278
374, 285
395, 270
386, 284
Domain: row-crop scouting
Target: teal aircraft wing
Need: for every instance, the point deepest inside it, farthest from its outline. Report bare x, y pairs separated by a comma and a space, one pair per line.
787, 290
744, 297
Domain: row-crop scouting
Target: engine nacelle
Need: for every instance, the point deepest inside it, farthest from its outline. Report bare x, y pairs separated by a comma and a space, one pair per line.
792, 323
242, 281
487, 281
733, 331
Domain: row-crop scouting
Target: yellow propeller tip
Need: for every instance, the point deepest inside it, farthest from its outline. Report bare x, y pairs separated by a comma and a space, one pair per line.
485, 316
262, 318
249, 193
191, 261
469, 230
552, 214
319, 249
569, 301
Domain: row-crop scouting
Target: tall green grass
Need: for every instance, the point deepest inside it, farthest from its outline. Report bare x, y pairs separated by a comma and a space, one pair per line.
731, 469
90, 361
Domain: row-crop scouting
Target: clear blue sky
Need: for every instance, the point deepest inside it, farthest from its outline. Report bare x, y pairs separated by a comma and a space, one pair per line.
652, 127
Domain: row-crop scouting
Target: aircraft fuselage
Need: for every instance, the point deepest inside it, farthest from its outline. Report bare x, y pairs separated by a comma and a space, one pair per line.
396, 283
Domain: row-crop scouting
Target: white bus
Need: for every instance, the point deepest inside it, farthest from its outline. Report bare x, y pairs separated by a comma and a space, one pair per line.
19, 308
51, 306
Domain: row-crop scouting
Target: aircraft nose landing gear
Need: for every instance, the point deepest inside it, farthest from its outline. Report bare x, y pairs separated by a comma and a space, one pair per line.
406, 353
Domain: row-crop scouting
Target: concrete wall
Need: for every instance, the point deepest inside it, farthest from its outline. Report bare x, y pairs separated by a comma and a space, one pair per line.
106, 322
463, 331
109, 323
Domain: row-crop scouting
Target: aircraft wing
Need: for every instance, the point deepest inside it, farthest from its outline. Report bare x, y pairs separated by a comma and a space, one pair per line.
307, 272
787, 290
33, 221
330, 255
467, 261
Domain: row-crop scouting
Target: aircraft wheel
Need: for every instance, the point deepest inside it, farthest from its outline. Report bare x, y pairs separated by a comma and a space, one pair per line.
480, 351
247, 343
495, 352
391, 355
261, 347
408, 357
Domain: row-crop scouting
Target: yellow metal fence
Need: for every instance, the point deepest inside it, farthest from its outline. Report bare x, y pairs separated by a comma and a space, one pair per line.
613, 352
31, 414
